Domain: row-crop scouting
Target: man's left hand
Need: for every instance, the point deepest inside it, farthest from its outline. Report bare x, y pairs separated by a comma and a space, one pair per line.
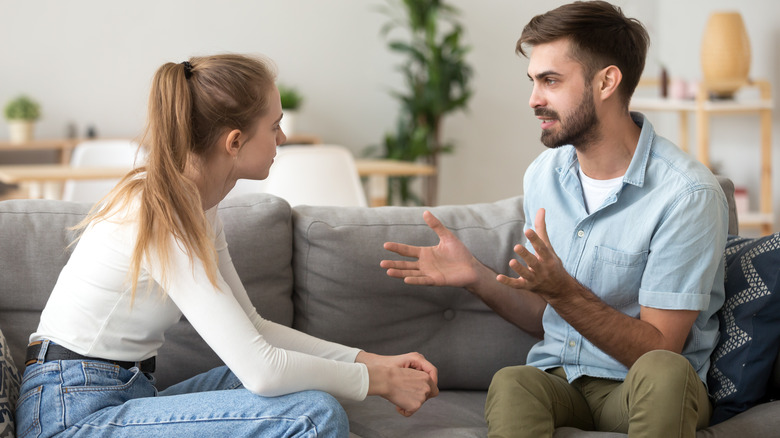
543, 272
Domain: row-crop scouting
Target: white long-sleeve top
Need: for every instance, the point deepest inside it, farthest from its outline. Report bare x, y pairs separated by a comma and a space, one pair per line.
90, 312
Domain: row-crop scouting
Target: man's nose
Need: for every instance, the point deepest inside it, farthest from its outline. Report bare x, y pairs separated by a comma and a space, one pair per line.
536, 100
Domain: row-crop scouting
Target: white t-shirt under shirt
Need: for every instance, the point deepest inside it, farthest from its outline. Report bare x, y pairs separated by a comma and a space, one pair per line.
596, 191
90, 312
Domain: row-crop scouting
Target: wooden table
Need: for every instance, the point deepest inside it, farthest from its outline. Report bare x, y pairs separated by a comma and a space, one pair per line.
64, 147
45, 180
379, 171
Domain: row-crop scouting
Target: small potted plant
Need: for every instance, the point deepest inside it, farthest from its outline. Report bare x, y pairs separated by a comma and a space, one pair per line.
291, 103
21, 113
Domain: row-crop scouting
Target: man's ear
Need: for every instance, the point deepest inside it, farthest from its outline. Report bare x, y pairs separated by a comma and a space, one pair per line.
233, 142
609, 79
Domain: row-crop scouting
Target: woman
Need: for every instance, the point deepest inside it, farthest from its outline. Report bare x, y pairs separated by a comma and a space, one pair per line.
154, 249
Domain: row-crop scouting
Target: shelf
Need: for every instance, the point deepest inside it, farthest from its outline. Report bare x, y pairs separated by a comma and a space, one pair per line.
725, 106
702, 109
755, 219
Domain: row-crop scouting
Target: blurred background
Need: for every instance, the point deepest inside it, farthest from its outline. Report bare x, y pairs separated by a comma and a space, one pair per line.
89, 63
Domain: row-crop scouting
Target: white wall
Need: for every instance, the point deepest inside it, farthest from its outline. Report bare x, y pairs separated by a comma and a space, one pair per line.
89, 62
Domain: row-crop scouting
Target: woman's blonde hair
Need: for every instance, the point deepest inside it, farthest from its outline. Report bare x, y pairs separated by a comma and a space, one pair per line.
191, 105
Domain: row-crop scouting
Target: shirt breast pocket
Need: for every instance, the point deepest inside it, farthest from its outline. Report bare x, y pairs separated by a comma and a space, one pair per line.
617, 275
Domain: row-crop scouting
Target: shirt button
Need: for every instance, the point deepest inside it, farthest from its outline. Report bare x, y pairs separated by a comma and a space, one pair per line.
580, 233
572, 343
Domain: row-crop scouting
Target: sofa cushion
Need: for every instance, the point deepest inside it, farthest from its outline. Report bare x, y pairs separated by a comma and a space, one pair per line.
34, 235
452, 414
343, 295
742, 363
35, 243
9, 389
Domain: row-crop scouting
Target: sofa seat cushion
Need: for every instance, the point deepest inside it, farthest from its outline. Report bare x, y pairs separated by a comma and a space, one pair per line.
742, 363
453, 414
343, 295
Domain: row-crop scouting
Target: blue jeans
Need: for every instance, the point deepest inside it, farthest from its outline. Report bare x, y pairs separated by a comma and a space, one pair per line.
74, 398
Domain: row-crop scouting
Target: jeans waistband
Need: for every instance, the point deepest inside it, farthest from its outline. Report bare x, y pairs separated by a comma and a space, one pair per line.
58, 352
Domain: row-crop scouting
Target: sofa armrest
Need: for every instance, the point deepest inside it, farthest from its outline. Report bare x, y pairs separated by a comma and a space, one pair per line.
728, 189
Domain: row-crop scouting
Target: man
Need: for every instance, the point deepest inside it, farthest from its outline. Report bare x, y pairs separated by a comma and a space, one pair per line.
625, 284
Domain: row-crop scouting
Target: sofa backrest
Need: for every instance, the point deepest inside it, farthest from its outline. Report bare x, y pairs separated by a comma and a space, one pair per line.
342, 294
34, 241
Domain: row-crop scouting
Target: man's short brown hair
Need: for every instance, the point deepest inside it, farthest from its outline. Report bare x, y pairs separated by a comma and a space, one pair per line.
600, 36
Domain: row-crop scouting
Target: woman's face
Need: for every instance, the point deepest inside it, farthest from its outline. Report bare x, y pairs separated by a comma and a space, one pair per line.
257, 153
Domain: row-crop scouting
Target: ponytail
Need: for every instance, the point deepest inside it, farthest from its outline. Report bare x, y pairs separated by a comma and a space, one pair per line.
190, 106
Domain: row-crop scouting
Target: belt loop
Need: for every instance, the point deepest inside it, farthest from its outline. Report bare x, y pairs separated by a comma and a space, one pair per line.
42, 351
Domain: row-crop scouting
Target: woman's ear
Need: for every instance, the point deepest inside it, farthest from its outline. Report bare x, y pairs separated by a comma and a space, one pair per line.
233, 142
609, 80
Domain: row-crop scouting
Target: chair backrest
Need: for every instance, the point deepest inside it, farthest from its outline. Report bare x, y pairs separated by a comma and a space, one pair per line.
118, 153
311, 175
244, 186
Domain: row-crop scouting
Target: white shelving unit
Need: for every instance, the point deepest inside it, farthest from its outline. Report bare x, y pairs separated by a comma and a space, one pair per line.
703, 109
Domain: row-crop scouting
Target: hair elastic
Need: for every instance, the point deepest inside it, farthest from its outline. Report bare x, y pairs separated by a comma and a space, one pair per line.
187, 69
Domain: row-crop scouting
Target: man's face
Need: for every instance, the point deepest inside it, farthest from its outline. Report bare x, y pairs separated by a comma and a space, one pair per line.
561, 98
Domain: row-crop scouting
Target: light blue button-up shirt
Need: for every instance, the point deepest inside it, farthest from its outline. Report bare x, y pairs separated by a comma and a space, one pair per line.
657, 241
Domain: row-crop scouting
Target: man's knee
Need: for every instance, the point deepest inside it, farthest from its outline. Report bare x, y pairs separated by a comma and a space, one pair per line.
661, 369
661, 362
515, 378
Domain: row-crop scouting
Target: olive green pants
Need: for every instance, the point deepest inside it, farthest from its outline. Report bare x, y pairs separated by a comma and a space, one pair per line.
662, 396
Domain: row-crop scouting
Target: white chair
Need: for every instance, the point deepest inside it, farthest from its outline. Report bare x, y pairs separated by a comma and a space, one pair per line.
244, 186
311, 175
111, 153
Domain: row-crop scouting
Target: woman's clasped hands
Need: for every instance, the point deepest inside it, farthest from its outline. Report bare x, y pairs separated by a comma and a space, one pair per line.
406, 380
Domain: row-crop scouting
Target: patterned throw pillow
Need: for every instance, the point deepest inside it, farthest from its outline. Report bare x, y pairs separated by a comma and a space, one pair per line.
9, 389
749, 326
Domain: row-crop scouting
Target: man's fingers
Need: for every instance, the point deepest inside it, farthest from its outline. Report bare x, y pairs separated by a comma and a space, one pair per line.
410, 276
418, 281
517, 283
541, 225
540, 246
402, 273
403, 249
528, 257
435, 224
398, 264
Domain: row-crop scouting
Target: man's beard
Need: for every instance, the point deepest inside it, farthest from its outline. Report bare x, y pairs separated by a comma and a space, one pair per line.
578, 128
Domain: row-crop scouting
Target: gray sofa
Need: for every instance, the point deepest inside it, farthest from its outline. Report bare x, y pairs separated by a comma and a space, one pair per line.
317, 269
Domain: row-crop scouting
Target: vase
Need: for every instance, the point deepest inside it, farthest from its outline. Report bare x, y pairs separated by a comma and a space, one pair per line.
21, 131
725, 54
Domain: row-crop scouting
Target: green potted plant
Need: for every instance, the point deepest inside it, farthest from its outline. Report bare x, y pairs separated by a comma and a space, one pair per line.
292, 100
437, 83
21, 113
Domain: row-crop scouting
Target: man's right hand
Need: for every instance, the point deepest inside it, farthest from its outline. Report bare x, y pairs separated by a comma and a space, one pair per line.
449, 263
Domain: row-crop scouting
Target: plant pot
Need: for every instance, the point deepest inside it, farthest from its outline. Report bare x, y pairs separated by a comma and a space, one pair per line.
21, 131
288, 122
